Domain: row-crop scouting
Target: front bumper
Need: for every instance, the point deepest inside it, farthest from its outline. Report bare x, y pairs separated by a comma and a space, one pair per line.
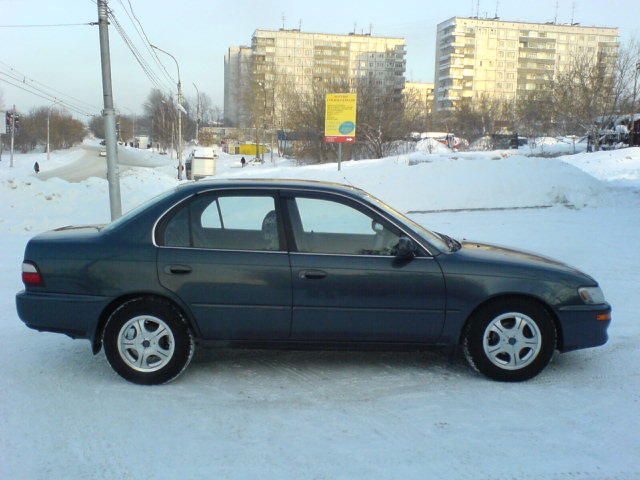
74, 315
581, 327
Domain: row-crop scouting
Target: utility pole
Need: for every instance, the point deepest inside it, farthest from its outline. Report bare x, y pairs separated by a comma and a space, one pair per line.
109, 114
179, 108
48, 130
633, 105
13, 134
197, 113
48, 136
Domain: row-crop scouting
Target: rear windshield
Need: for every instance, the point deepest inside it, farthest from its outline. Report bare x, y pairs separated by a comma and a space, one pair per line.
137, 210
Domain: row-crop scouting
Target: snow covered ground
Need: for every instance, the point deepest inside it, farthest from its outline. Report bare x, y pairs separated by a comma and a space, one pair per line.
244, 414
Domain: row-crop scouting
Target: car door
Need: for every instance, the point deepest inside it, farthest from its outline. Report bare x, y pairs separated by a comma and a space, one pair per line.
224, 255
348, 284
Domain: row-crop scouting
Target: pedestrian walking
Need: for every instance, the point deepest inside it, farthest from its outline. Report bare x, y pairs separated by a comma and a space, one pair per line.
36, 167
243, 162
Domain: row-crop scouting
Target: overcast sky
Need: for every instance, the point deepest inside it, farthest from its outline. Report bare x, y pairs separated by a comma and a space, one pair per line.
198, 33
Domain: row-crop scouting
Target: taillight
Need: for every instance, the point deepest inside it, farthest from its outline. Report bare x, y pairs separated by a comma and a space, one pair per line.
30, 275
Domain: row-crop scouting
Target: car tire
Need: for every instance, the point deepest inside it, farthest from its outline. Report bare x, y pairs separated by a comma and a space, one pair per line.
510, 340
147, 341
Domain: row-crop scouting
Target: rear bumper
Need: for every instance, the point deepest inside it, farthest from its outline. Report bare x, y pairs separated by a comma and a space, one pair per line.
581, 327
73, 315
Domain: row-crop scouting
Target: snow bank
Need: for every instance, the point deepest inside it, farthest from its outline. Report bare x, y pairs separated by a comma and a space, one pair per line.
29, 204
620, 166
431, 145
413, 182
454, 181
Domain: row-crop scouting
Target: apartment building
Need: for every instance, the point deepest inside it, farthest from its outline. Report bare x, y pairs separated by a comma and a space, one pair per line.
421, 92
476, 57
285, 60
237, 75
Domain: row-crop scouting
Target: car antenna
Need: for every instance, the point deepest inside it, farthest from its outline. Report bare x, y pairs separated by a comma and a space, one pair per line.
345, 179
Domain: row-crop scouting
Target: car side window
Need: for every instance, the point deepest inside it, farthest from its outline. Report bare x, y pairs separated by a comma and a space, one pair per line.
228, 222
331, 227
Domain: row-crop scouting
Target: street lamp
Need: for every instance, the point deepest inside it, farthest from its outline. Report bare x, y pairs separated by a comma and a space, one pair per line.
633, 104
264, 114
179, 108
197, 113
48, 136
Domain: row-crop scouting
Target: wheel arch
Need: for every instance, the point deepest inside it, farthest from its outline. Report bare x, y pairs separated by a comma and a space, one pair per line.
516, 296
96, 340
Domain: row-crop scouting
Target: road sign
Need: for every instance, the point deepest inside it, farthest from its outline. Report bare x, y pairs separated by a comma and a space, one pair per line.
340, 118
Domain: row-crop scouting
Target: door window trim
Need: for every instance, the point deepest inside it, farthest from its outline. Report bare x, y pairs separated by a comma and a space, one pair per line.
358, 207
163, 220
281, 192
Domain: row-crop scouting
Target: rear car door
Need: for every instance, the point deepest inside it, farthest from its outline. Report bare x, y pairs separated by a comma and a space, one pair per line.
347, 283
224, 255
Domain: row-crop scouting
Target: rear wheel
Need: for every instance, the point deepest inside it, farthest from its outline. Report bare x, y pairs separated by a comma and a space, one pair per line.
510, 340
147, 341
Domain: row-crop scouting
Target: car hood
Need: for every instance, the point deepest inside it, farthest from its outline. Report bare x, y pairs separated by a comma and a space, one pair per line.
501, 260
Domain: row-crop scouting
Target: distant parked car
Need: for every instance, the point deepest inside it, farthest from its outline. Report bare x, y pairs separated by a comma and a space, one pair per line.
103, 153
291, 263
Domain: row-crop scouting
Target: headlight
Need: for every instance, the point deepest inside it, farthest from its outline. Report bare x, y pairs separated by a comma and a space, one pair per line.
591, 295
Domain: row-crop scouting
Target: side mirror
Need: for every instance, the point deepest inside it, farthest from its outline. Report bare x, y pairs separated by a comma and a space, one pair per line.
406, 248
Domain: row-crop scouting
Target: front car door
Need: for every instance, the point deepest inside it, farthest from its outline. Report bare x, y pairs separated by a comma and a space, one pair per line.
224, 255
348, 284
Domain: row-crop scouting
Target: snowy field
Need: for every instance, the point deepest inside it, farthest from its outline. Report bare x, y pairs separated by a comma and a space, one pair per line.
323, 415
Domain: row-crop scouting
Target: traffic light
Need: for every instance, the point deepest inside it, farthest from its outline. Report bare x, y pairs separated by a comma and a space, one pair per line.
7, 120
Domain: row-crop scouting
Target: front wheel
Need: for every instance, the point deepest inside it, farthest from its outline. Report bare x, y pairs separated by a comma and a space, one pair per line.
147, 341
510, 340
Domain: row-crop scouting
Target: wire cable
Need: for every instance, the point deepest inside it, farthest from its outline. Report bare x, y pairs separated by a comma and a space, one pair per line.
136, 53
15, 71
145, 39
27, 89
48, 25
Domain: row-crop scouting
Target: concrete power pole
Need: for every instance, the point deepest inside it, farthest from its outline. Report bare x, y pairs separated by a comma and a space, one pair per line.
179, 129
115, 202
48, 131
179, 108
197, 113
13, 134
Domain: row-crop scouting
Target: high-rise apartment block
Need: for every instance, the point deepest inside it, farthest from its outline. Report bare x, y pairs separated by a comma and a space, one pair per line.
477, 57
281, 60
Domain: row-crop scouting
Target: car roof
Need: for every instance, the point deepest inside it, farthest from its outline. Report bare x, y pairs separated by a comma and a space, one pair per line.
274, 183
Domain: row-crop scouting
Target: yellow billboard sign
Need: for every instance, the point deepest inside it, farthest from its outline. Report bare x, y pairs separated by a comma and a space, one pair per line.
340, 117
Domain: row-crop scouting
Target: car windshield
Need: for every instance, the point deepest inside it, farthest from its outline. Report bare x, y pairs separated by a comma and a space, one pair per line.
136, 210
431, 237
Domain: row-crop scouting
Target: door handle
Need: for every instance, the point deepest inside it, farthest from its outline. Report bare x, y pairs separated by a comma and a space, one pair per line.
312, 274
178, 269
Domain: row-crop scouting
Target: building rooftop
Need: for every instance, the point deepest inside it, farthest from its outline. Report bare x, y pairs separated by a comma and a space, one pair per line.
500, 20
350, 34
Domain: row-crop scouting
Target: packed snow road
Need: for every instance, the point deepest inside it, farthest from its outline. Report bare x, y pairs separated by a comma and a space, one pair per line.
91, 164
243, 414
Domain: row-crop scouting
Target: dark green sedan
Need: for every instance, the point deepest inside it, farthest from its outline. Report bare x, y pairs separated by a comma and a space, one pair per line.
291, 263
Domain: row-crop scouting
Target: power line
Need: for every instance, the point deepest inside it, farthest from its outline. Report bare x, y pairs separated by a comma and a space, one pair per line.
145, 39
81, 103
27, 88
48, 25
53, 98
155, 80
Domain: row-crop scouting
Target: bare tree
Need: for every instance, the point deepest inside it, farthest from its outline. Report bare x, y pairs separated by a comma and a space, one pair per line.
65, 131
306, 114
383, 118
